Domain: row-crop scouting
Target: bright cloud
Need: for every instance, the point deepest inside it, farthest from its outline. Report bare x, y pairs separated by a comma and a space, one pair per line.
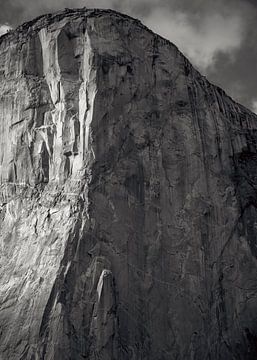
201, 41
4, 29
254, 106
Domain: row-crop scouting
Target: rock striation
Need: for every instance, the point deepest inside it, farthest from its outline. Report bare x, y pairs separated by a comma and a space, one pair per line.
128, 198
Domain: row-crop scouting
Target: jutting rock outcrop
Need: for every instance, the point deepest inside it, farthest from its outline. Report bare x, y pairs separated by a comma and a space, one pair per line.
128, 201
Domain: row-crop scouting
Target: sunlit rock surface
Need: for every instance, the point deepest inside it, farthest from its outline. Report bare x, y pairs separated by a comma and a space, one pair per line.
128, 198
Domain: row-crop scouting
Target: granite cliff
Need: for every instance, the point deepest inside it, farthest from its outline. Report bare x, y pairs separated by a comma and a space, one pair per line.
128, 198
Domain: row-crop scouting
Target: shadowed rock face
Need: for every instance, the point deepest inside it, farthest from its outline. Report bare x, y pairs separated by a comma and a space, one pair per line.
128, 204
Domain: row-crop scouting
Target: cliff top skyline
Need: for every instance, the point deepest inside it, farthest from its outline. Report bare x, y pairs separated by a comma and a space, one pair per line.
217, 37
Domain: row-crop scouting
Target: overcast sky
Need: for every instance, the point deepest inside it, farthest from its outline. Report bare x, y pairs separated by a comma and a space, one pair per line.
218, 36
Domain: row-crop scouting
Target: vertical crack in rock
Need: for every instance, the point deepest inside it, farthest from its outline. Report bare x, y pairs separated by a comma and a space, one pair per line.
53, 78
104, 322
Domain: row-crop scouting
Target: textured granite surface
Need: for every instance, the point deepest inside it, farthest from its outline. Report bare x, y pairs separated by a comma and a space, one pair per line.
128, 198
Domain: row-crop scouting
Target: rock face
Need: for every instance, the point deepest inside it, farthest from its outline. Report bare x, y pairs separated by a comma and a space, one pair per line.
128, 223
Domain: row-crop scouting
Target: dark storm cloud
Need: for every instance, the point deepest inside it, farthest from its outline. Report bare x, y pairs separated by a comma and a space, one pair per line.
9, 10
218, 36
17, 11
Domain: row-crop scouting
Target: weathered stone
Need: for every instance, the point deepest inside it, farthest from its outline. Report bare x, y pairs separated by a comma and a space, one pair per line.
128, 198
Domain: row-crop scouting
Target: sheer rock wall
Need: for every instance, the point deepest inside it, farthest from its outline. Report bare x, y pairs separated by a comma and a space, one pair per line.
128, 204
